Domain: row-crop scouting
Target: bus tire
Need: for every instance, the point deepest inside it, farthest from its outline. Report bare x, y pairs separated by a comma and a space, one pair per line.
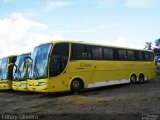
141, 78
77, 85
133, 79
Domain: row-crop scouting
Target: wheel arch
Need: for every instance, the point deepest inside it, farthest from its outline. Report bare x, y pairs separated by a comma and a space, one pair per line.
79, 78
136, 78
141, 74
133, 73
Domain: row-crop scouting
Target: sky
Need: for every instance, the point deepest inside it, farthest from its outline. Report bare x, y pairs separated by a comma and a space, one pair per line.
25, 24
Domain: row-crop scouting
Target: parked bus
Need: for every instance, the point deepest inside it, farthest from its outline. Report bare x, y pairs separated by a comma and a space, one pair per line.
6, 72
65, 65
20, 73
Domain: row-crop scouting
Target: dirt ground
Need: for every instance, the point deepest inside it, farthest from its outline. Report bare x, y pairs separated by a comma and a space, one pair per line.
131, 102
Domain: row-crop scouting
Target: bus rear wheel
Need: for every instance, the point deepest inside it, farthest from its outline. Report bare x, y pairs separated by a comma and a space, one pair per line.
141, 78
133, 79
77, 85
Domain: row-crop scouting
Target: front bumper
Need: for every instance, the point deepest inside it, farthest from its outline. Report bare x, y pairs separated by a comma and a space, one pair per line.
5, 84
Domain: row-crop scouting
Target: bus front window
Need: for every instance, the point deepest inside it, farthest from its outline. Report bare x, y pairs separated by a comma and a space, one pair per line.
59, 59
17, 73
4, 64
39, 67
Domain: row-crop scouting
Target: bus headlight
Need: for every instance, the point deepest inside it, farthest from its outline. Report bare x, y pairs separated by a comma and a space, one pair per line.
42, 83
23, 84
4, 83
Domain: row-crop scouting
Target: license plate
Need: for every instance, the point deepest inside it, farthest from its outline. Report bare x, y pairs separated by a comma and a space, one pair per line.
33, 89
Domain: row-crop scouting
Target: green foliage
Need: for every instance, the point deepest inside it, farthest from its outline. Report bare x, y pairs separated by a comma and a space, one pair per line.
148, 46
157, 42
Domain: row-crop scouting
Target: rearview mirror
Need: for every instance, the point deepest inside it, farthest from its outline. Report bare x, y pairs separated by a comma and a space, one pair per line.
22, 66
26, 61
10, 65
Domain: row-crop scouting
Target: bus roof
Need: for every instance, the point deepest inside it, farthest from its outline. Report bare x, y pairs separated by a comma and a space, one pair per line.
25, 53
81, 42
15, 55
9, 56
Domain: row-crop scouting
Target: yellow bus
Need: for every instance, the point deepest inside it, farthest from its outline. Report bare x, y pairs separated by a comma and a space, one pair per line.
67, 65
20, 75
6, 72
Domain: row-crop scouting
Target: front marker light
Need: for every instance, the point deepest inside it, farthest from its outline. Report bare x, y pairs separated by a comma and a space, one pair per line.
4, 82
42, 83
23, 84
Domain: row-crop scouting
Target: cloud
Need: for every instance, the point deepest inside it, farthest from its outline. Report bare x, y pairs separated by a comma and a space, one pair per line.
122, 42
58, 4
114, 25
129, 3
19, 34
107, 3
74, 31
94, 28
8, 1
141, 3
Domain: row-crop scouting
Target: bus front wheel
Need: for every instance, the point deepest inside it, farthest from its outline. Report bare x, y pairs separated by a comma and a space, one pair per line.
133, 79
77, 85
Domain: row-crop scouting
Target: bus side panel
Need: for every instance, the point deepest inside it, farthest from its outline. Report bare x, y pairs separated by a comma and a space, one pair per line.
75, 69
100, 73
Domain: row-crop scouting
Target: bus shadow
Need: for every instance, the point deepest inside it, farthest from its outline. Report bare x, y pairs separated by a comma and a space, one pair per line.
18, 92
97, 90
90, 91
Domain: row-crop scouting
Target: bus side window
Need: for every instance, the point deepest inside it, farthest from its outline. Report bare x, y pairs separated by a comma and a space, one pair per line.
58, 59
108, 53
146, 54
131, 55
80, 52
140, 55
115, 53
96, 53
151, 56
122, 54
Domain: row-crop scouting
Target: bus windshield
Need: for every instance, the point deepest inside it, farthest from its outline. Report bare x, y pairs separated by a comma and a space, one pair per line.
20, 75
3, 74
39, 69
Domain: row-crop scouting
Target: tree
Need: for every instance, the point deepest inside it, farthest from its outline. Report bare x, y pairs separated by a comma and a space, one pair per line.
157, 48
148, 46
157, 42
